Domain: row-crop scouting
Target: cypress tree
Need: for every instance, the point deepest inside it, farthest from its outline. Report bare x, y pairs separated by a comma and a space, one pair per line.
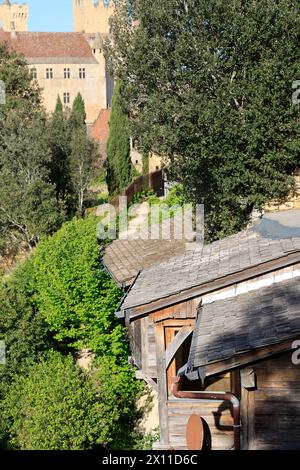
119, 166
59, 105
78, 114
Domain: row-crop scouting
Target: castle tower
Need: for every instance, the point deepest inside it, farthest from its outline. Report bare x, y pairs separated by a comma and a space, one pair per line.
14, 17
91, 16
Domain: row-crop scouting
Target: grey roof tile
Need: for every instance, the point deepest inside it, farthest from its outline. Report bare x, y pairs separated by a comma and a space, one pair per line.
225, 339
230, 255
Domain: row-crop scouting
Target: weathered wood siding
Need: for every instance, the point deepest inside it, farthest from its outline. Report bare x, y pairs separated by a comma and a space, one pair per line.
276, 405
148, 348
217, 423
135, 337
183, 310
143, 348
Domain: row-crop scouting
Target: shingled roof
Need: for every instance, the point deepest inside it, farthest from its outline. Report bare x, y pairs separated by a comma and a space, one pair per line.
245, 323
234, 254
49, 47
125, 258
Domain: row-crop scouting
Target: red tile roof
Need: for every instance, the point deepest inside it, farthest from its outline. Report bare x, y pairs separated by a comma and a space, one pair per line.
100, 129
59, 45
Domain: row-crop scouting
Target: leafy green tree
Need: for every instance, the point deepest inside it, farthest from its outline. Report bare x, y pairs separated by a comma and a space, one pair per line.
16, 76
28, 206
24, 331
56, 407
74, 293
119, 166
210, 86
83, 165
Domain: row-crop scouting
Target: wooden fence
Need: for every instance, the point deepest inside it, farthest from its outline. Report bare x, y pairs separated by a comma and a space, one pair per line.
154, 181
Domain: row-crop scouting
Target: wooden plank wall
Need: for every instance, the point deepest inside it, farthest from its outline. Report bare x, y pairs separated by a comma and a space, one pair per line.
135, 338
148, 348
276, 404
218, 435
183, 310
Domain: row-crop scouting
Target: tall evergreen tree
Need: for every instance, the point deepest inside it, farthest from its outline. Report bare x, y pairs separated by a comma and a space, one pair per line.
59, 106
119, 166
78, 114
59, 141
210, 86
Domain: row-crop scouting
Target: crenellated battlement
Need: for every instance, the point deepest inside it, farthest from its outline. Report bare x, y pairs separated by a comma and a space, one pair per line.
92, 16
14, 16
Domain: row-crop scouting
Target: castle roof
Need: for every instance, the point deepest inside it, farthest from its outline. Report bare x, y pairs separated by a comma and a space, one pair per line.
50, 47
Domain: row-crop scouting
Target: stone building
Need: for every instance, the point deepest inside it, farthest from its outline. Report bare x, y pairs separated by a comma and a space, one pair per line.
14, 17
63, 64
92, 16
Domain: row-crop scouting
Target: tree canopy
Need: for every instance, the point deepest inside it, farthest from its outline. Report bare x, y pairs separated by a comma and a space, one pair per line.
209, 85
56, 407
74, 293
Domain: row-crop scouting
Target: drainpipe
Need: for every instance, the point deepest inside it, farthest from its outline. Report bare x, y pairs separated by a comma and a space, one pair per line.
214, 396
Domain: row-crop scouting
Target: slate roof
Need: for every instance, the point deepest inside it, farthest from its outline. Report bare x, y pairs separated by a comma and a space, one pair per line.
234, 326
233, 254
44, 47
125, 258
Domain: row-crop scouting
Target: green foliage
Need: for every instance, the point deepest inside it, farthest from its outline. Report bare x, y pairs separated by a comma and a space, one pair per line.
176, 196
59, 106
78, 114
22, 327
62, 298
83, 158
24, 331
74, 294
20, 89
119, 166
56, 407
120, 391
145, 160
210, 86
46, 164
29, 208
59, 142
146, 441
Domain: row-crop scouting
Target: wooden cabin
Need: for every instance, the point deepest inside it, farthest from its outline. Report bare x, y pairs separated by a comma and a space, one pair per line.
223, 319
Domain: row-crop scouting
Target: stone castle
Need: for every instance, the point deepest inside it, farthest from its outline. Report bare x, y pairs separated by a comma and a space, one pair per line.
65, 64
92, 16
14, 16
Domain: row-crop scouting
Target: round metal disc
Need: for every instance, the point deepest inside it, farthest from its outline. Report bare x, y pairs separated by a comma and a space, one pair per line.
195, 433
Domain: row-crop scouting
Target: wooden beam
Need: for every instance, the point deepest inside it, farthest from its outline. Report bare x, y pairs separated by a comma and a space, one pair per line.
178, 340
211, 286
162, 383
141, 376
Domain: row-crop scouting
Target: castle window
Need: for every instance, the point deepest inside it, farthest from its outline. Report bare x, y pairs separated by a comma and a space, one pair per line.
49, 74
82, 73
67, 98
67, 73
33, 72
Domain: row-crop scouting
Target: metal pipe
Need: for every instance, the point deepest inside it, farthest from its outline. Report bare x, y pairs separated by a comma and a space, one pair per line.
214, 396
